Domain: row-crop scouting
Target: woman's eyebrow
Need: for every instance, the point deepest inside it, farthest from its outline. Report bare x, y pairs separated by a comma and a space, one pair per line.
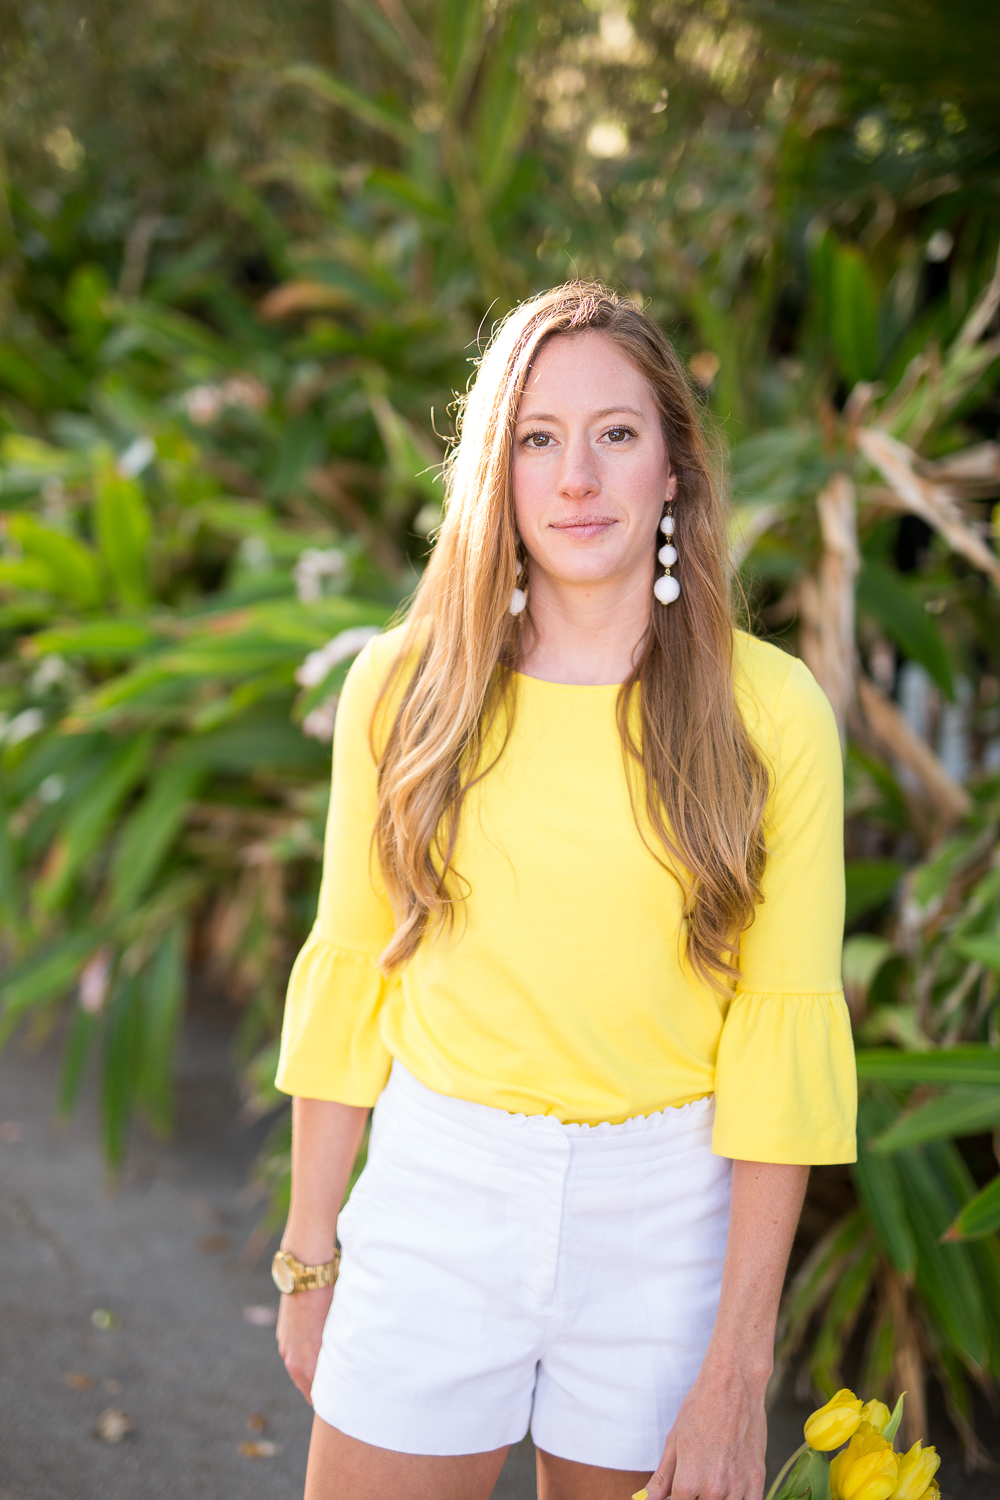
597, 416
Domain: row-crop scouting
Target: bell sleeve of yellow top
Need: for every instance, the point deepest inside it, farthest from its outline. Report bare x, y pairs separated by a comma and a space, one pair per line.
786, 1084
331, 1046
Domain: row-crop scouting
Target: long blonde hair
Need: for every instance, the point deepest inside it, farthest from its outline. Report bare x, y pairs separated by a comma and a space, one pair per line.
702, 785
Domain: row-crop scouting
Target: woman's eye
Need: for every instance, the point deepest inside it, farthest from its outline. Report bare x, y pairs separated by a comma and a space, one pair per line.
537, 440
619, 434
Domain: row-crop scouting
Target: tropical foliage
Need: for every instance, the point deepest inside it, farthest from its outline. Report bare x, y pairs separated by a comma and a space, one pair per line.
227, 363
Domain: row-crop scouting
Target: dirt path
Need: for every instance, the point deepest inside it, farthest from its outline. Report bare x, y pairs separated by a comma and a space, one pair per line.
198, 1381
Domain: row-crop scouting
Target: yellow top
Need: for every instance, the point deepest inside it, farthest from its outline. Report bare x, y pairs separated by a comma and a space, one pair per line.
562, 988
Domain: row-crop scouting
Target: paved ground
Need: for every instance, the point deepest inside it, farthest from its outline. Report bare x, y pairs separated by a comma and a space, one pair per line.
161, 1254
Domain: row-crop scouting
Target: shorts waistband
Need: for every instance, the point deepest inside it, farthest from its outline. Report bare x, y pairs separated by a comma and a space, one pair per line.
675, 1128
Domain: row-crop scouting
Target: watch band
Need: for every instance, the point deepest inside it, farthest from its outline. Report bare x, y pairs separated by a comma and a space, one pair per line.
290, 1275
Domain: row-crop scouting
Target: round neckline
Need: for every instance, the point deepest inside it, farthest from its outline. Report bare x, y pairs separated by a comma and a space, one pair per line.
571, 687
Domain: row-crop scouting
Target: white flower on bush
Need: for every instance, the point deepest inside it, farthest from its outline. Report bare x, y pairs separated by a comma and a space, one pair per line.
22, 726
137, 456
204, 403
95, 977
313, 565
318, 664
318, 723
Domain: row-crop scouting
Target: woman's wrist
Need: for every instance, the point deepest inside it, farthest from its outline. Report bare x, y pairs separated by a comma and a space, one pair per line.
312, 1246
751, 1369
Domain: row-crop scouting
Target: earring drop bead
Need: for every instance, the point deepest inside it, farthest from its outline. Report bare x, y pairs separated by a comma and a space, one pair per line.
518, 600
667, 589
667, 525
667, 555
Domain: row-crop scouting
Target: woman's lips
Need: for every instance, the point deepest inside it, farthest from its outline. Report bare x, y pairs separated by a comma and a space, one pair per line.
584, 526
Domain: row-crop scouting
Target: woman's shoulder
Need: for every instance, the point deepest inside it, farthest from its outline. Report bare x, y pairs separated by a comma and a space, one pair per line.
375, 661
365, 704
780, 699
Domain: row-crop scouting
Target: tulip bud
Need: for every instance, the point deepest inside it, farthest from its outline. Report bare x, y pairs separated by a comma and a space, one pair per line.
867, 1469
876, 1413
916, 1473
834, 1423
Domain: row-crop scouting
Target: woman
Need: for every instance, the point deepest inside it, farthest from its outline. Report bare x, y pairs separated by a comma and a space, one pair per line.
579, 937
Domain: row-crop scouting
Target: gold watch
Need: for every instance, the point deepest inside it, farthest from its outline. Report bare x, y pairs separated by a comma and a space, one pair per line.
290, 1275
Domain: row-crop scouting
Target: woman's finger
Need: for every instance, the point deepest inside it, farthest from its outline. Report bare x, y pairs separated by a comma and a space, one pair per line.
661, 1480
301, 1371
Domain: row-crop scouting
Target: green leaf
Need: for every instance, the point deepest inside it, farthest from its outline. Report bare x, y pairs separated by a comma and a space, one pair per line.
854, 315
122, 1052
962, 1065
980, 1216
945, 1273
333, 90
258, 1078
163, 991
169, 333
862, 957
847, 1298
18, 450
46, 975
503, 106
123, 532
817, 1475
72, 567
966, 1110
81, 1036
882, 593
105, 640
85, 307
814, 1278
870, 883
460, 25
150, 830
881, 1191
11, 885
257, 744
892, 1426
383, 33
89, 820
412, 461
984, 950
932, 878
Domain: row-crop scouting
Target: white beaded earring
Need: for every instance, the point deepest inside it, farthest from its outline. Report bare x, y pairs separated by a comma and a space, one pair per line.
518, 598
667, 589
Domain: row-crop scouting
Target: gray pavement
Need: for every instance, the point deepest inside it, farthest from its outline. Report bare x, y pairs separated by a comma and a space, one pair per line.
160, 1252
210, 1411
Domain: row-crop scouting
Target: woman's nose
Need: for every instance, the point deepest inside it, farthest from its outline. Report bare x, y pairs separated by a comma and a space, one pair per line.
579, 477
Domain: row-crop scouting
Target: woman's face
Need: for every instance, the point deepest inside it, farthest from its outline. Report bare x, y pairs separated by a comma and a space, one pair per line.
590, 469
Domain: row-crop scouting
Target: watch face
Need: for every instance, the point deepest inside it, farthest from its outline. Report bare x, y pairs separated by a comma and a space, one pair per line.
283, 1275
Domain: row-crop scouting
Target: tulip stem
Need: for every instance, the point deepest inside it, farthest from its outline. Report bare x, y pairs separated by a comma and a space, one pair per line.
782, 1472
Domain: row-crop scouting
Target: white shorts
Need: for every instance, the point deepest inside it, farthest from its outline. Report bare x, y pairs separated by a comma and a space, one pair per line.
500, 1270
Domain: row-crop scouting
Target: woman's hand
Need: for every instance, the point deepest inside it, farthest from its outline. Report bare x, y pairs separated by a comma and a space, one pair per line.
715, 1449
325, 1140
300, 1333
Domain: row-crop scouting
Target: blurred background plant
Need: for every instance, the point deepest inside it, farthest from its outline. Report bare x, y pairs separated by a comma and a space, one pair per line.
246, 258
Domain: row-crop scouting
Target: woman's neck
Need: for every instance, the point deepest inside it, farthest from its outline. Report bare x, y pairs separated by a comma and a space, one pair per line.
585, 634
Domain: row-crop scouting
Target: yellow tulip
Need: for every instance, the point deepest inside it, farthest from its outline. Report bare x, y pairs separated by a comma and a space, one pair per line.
834, 1423
916, 1473
867, 1469
876, 1413
836, 1464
